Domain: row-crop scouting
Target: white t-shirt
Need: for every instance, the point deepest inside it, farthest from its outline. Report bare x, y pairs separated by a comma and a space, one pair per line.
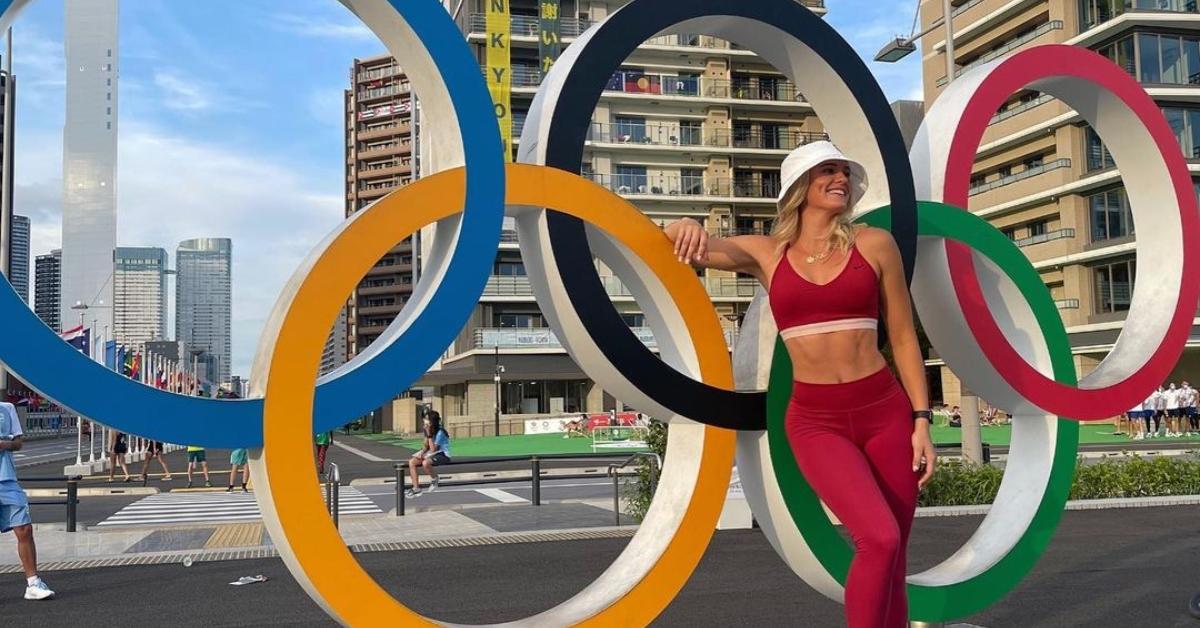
1172, 396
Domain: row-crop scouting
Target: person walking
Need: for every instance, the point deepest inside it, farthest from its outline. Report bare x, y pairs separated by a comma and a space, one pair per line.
1174, 414
322, 442
14, 504
1160, 409
435, 451
859, 435
196, 456
238, 458
154, 451
1189, 409
118, 447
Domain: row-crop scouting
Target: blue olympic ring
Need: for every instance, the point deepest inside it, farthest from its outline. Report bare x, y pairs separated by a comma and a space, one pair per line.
58, 371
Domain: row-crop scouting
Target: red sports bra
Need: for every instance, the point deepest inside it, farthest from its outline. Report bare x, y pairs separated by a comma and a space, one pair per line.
849, 301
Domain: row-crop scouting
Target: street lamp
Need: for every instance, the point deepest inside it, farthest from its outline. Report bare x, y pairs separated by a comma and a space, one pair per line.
496, 380
901, 47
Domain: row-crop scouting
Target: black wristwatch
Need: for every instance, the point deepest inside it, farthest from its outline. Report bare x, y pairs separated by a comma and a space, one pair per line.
923, 414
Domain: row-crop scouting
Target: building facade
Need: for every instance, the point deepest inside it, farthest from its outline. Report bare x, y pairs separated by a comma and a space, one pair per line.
47, 283
337, 345
379, 125
139, 295
89, 215
18, 257
203, 302
1045, 178
689, 126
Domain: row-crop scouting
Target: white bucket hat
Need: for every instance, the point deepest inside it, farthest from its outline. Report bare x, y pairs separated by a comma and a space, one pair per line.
809, 156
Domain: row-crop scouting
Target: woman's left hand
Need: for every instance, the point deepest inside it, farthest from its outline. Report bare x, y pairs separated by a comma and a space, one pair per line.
923, 450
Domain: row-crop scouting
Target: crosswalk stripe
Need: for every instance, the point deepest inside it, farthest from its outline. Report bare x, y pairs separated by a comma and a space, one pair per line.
175, 508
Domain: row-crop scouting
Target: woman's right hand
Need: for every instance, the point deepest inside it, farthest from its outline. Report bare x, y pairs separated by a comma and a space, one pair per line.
690, 238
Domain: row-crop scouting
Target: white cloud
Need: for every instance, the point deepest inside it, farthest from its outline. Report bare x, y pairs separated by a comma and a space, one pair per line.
321, 28
327, 106
182, 94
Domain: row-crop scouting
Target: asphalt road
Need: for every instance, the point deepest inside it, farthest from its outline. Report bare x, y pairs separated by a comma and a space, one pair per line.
1127, 567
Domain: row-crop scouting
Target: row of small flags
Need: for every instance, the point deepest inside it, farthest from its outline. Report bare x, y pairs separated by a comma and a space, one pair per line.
158, 372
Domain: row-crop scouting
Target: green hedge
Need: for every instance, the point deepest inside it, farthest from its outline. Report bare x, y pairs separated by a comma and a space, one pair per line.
957, 483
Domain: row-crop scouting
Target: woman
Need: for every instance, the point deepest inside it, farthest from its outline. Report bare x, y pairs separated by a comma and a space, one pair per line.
119, 446
435, 451
851, 424
155, 451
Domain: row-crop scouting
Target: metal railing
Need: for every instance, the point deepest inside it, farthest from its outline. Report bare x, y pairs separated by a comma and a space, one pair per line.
1028, 173
527, 25
534, 478
613, 472
1058, 234
685, 186
518, 286
1021, 108
544, 338
1066, 304
71, 501
1052, 25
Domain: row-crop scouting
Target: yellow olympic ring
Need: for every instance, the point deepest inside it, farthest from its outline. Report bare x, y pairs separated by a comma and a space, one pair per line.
293, 510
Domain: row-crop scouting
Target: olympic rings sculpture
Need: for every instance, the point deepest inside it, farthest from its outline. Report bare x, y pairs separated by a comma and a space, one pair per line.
979, 298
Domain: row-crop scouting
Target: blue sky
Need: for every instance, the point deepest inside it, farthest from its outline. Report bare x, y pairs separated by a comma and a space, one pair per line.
230, 125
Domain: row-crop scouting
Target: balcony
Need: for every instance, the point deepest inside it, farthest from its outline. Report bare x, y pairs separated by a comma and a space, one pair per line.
1049, 236
672, 187
1052, 25
386, 91
521, 75
380, 310
718, 287
382, 150
389, 269
527, 25
1019, 109
1102, 12
675, 135
544, 338
386, 130
376, 74
1020, 176
368, 291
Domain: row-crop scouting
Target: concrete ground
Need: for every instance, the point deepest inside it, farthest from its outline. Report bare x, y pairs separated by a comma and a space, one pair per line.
1122, 567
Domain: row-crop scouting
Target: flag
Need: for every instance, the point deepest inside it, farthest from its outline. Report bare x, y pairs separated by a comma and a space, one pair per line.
126, 362
79, 338
110, 354
135, 366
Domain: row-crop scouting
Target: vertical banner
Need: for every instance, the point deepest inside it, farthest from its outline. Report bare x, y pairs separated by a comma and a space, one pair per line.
549, 35
499, 69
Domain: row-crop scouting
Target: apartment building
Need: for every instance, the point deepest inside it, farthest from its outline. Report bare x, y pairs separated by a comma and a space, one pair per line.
379, 126
1043, 176
689, 126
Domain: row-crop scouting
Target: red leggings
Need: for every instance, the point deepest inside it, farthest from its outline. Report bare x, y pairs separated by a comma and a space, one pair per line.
853, 442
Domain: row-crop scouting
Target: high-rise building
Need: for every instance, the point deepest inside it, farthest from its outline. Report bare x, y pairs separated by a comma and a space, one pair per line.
690, 125
379, 158
89, 216
337, 344
18, 257
139, 295
203, 301
47, 282
1043, 176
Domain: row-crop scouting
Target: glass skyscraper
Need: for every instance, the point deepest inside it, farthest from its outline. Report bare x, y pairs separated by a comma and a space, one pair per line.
89, 217
47, 288
203, 299
18, 261
139, 296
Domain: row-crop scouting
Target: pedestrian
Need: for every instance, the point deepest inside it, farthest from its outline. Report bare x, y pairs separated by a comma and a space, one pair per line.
435, 451
1189, 409
860, 437
196, 456
154, 451
14, 504
955, 417
238, 458
1171, 396
1136, 431
322, 442
1160, 409
118, 447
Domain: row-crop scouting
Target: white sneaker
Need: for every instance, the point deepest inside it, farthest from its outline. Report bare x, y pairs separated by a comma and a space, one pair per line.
411, 493
1139, 437
38, 591
433, 486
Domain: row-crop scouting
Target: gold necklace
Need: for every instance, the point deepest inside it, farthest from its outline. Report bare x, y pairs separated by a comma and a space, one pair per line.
820, 257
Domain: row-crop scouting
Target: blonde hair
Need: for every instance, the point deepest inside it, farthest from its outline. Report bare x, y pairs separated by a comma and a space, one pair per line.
787, 221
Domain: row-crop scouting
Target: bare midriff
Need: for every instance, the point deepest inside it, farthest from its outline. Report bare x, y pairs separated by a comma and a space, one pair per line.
835, 358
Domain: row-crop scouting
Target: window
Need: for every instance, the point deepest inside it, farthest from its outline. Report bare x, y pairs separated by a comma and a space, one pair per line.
1004, 171
510, 269
770, 133
1037, 228
1009, 232
634, 320
631, 180
690, 133
1033, 162
629, 129
1185, 122
1114, 286
691, 181
526, 321
1110, 213
741, 135
1098, 157
978, 180
1149, 61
